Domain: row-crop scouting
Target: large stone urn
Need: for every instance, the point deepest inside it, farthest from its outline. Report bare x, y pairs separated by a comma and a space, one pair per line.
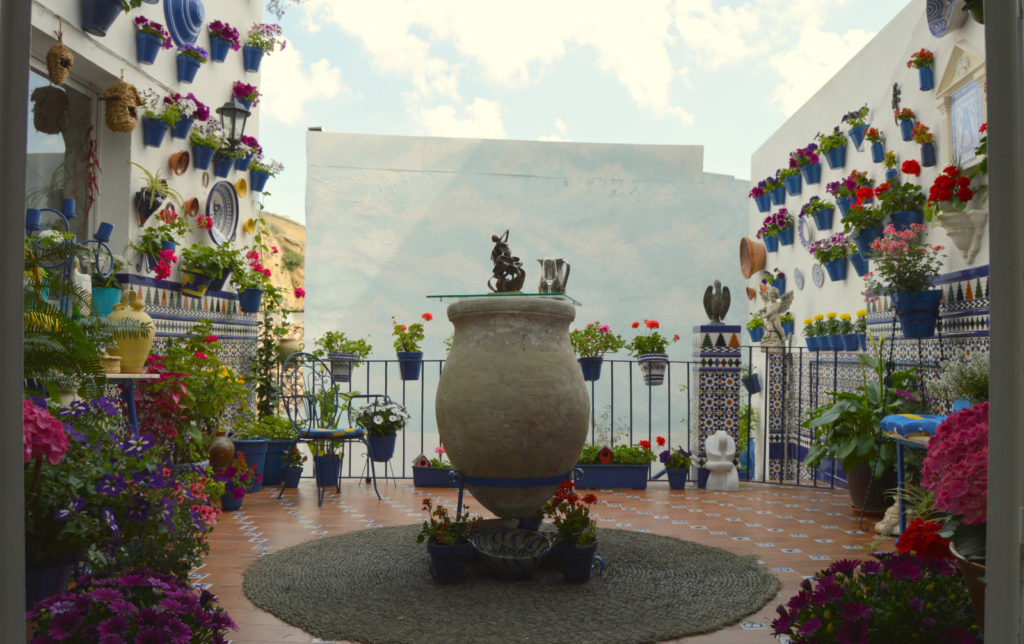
511, 401
133, 351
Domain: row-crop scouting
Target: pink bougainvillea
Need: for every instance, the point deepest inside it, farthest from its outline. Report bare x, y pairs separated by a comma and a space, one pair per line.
43, 435
956, 468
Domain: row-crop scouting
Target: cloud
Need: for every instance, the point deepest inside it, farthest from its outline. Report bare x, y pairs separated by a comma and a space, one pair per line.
480, 119
288, 86
725, 36
811, 63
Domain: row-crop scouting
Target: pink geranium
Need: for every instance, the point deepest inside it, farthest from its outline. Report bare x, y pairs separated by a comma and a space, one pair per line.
42, 434
956, 468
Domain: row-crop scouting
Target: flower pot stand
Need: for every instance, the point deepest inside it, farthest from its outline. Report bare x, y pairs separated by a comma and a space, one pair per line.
612, 477
432, 477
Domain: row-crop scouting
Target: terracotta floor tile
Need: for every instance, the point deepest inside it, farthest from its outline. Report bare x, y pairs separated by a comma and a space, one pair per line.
792, 520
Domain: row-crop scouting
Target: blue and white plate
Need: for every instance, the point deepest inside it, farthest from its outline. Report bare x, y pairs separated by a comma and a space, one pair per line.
222, 208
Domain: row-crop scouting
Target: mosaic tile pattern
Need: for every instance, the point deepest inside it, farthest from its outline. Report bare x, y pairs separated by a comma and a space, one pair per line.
717, 401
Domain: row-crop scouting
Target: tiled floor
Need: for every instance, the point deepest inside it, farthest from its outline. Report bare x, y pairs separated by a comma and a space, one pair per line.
792, 531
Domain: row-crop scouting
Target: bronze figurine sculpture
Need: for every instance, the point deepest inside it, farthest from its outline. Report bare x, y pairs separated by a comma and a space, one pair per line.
508, 275
716, 302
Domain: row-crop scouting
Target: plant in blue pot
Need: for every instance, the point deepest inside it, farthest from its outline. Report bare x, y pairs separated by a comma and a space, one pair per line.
791, 178
261, 40
786, 320
252, 149
447, 540
382, 419
808, 161
923, 137
223, 38
860, 327
810, 335
677, 465
191, 110
777, 228
205, 139
246, 94
190, 59
891, 162
864, 224
159, 115
775, 190
857, 121
905, 265
833, 146
905, 117
923, 61
575, 531
755, 327
590, 344
760, 197
150, 38
774, 278
823, 212
877, 140
261, 170
407, 346
250, 283
831, 252
238, 478
901, 201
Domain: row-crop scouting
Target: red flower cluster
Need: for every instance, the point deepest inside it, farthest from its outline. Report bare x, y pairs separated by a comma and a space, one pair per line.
163, 266
922, 538
645, 445
951, 183
911, 167
864, 193
256, 266
203, 222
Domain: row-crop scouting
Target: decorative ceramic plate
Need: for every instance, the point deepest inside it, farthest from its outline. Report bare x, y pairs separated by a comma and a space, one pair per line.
222, 208
798, 279
804, 241
818, 273
944, 16
184, 20
510, 550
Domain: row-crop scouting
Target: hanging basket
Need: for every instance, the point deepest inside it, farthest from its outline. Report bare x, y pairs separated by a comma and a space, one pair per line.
123, 103
59, 61
49, 105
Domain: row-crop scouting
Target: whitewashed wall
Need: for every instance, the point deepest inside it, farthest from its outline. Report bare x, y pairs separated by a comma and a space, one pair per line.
868, 79
393, 219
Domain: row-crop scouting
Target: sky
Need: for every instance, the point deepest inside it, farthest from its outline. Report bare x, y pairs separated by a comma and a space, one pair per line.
719, 73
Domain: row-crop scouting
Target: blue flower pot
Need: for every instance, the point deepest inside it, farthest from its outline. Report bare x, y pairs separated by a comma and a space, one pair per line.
217, 282
604, 477
292, 476
771, 243
787, 328
917, 312
756, 334
448, 563
891, 174
813, 343
255, 452
861, 264
863, 339
194, 283
229, 503
811, 173
677, 475
823, 218
591, 366
878, 152
98, 15
907, 129
258, 180
778, 195
219, 48
752, 383
836, 157
836, 269
780, 284
243, 162
201, 156
850, 342
382, 448
147, 46
153, 131
903, 219
764, 203
431, 477
844, 204
787, 235
793, 184
864, 237
244, 102
925, 78
251, 57
187, 68
182, 127
249, 300
151, 260
928, 154
409, 363
857, 134
103, 300
222, 165
274, 467
326, 468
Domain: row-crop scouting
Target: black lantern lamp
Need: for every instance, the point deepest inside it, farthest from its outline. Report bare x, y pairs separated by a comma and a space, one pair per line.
232, 118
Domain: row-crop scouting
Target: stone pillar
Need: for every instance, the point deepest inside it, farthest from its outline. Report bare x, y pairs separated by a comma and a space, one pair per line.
717, 348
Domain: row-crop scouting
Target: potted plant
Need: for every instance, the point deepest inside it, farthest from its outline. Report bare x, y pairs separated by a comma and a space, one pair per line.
98, 15
834, 340
922, 136
848, 332
238, 478
190, 58
857, 121
677, 465
590, 344
780, 227
649, 350
846, 429
260, 170
382, 420
761, 197
156, 246
821, 211
158, 117
791, 178
860, 326
407, 346
343, 353
106, 291
294, 460
432, 472
890, 161
621, 466
222, 38
902, 202
905, 117
205, 141
808, 161
773, 279
923, 61
261, 40
755, 327
575, 532
246, 94
833, 146
951, 192
448, 541
150, 38
962, 377
265, 442
877, 141
746, 423
776, 191
853, 601
327, 458
864, 224
190, 110
831, 252
786, 320
251, 149
904, 268
810, 335
153, 193
199, 265
250, 282
750, 379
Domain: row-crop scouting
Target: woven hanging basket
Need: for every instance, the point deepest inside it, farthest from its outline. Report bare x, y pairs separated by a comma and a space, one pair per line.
59, 61
49, 104
123, 103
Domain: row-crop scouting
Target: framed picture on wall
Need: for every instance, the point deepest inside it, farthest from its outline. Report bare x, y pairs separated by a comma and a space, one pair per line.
965, 121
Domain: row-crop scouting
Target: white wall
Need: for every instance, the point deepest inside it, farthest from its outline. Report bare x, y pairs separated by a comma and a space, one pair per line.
393, 219
867, 79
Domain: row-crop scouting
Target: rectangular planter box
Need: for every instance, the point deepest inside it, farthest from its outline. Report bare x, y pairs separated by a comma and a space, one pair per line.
431, 477
613, 476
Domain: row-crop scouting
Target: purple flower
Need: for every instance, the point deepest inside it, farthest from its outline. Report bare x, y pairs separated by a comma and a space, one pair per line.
137, 445
109, 406
116, 626
904, 568
811, 626
72, 508
916, 603
664, 456
828, 591
782, 623
855, 611
110, 484
108, 516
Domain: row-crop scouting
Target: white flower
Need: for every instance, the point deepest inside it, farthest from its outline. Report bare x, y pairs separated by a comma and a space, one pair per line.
392, 418
377, 420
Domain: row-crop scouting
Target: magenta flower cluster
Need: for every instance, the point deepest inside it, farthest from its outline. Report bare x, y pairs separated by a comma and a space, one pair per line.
804, 156
154, 28
246, 91
189, 105
956, 467
774, 224
227, 32
831, 248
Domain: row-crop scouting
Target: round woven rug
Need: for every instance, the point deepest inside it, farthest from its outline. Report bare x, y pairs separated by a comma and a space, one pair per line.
373, 586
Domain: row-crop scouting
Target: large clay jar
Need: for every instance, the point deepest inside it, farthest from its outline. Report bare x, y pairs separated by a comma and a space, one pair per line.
133, 350
511, 401
222, 452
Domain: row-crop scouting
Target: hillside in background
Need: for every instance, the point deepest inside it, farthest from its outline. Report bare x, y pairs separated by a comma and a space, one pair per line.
289, 265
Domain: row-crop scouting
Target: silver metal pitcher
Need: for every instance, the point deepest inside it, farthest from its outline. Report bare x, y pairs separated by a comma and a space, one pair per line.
554, 274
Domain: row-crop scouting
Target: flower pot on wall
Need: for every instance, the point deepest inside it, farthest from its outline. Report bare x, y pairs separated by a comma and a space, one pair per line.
147, 46
778, 195
201, 156
863, 238
217, 281
811, 173
857, 134
249, 300
844, 204
878, 152
787, 235
861, 264
251, 58
787, 328
182, 127
752, 257
591, 366
851, 342
771, 243
903, 219
187, 68
793, 184
891, 174
780, 284
763, 203
836, 269
222, 165
258, 180
907, 129
756, 334
153, 131
925, 78
823, 218
752, 383
928, 154
194, 283
242, 163
918, 312
219, 48
98, 15
653, 367
836, 157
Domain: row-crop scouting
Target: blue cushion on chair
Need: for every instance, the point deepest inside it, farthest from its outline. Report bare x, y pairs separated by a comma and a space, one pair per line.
907, 425
328, 433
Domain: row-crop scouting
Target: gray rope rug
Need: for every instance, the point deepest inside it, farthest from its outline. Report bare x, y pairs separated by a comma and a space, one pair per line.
373, 586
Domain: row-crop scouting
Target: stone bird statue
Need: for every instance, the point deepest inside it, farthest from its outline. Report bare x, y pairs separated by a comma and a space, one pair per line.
716, 302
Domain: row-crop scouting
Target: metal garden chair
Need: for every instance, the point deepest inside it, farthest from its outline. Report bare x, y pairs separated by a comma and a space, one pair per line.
314, 405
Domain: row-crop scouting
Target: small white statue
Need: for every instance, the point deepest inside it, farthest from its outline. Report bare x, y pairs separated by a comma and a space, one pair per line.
774, 306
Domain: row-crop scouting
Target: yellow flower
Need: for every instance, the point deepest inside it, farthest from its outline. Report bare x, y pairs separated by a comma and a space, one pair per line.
862, 313
844, 316
831, 316
808, 321
819, 317
240, 381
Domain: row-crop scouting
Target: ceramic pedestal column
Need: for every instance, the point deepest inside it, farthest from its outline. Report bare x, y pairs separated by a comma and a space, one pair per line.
511, 401
717, 347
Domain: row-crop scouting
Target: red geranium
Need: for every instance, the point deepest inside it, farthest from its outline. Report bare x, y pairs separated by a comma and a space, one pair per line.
911, 167
922, 538
864, 193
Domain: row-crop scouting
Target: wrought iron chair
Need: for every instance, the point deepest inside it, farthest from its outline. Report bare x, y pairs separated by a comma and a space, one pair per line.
314, 406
